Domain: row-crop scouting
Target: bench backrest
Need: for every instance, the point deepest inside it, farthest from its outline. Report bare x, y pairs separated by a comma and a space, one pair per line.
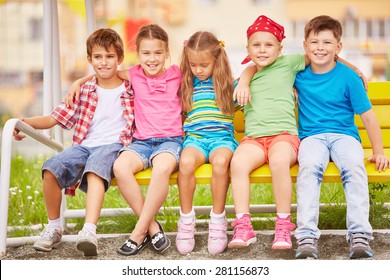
379, 93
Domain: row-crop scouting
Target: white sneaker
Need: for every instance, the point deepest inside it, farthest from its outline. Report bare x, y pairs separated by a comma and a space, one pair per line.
87, 243
50, 238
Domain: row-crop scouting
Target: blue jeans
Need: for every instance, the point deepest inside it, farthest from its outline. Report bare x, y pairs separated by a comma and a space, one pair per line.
313, 157
147, 149
73, 163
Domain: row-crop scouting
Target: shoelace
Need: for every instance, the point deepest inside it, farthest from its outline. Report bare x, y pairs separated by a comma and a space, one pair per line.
239, 230
283, 229
48, 234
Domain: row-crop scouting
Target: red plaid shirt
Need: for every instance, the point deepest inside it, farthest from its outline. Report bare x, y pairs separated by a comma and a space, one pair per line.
83, 111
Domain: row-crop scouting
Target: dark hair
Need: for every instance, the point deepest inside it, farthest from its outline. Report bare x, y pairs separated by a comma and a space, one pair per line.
105, 37
151, 31
322, 23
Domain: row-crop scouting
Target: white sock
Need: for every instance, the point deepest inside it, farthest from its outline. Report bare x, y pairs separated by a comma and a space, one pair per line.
187, 218
54, 224
240, 215
90, 227
283, 215
217, 218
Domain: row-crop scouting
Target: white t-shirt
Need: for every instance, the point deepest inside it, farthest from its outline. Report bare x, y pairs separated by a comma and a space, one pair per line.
108, 121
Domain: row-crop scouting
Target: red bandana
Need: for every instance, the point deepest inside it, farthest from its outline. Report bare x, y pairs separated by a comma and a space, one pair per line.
265, 24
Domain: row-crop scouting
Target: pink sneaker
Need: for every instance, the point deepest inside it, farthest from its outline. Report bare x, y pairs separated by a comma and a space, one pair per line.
217, 241
185, 241
243, 233
283, 228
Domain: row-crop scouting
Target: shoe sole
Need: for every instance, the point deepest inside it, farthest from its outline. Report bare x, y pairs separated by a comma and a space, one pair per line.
306, 256
43, 249
281, 247
89, 249
242, 244
360, 254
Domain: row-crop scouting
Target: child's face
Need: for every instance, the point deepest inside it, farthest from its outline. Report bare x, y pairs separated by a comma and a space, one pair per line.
152, 54
321, 49
263, 48
201, 64
104, 62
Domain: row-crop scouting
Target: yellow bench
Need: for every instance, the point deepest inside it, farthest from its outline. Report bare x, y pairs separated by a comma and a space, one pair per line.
379, 93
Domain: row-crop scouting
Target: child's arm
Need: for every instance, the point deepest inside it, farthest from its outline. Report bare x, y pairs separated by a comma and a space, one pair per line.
74, 90
39, 122
241, 91
375, 134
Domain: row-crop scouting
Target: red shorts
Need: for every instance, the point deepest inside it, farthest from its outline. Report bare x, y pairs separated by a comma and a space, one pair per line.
265, 143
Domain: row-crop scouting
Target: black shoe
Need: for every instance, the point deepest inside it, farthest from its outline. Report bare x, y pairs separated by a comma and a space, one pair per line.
130, 248
160, 241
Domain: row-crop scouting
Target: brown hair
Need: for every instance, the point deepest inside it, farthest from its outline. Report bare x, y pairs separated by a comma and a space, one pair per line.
105, 37
151, 31
222, 74
322, 23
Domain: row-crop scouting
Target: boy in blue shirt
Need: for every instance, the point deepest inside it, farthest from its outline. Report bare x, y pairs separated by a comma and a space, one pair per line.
330, 94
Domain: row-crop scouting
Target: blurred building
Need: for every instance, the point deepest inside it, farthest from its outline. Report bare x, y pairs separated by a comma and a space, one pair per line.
366, 34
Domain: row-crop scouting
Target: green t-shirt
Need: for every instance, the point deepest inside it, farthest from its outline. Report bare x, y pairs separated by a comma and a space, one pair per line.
271, 110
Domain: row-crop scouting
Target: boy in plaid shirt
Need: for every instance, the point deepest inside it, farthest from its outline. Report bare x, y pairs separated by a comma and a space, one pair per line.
103, 121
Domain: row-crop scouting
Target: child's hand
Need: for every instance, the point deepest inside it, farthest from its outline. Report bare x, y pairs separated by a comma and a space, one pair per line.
242, 94
382, 162
73, 94
364, 79
17, 136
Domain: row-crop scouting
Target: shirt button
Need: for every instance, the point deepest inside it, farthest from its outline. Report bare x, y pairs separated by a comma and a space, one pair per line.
90, 116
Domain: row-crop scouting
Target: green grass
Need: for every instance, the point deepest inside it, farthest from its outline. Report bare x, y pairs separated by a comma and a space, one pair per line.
27, 208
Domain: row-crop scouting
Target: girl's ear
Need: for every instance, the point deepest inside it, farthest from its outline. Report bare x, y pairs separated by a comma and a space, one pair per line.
89, 59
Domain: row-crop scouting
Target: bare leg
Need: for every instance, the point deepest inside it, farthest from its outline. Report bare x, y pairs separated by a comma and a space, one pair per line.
163, 166
126, 165
281, 157
52, 195
95, 197
190, 159
220, 160
245, 159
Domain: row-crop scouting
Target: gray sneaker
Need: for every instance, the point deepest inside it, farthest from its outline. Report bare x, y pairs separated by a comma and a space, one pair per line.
359, 246
87, 243
49, 239
307, 248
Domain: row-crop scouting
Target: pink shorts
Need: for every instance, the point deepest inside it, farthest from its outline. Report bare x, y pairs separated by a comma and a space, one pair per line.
265, 143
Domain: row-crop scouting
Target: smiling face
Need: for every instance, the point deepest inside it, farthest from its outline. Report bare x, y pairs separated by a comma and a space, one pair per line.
263, 48
152, 54
201, 63
322, 48
104, 62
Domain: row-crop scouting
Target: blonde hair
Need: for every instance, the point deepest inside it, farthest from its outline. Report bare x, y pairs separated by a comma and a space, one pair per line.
222, 74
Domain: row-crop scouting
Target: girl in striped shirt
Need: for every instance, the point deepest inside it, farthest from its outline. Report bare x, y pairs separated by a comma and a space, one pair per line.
208, 106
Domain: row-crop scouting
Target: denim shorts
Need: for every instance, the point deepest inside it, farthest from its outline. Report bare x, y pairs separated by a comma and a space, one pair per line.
147, 149
70, 165
207, 145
